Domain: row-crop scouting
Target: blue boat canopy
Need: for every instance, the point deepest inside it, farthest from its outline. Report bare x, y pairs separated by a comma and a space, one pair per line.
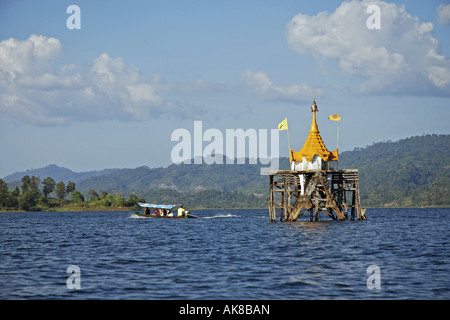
159, 206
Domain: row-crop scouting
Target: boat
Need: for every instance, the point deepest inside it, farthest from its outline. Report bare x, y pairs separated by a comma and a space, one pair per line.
164, 211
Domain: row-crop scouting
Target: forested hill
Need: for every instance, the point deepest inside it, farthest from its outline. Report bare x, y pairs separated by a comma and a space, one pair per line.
244, 178
412, 171
57, 173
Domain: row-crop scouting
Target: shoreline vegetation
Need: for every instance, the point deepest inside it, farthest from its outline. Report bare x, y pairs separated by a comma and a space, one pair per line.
49, 196
409, 173
33, 196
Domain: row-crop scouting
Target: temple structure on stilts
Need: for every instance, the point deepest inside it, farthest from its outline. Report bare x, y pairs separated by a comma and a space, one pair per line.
313, 184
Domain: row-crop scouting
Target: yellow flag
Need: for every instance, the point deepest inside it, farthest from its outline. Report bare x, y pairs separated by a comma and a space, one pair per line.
335, 117
283, 125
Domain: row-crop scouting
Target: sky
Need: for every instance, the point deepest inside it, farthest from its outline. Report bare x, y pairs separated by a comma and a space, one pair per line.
111, 93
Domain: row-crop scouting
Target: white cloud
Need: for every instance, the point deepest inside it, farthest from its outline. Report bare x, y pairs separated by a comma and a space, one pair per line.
260, 84
444, 14
34, 90
32, 56
401, 58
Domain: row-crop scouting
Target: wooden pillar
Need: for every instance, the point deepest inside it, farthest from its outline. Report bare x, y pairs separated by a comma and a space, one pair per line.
353, 205
271, 199
358, 206
316, 205
286, 200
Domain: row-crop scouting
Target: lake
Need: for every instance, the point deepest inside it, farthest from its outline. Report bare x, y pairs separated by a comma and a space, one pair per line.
230, 254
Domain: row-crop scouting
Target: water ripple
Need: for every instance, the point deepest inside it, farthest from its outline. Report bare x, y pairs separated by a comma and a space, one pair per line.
231, 254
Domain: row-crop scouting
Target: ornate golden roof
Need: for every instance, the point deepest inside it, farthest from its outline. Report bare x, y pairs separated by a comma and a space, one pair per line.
314, 144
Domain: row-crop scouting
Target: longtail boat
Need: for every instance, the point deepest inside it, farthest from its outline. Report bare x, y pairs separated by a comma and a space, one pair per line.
164, 211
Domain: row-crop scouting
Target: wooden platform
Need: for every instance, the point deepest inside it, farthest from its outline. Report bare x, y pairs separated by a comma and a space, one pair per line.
335, 193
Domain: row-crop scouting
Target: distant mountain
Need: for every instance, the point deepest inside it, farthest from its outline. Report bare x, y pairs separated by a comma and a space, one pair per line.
183, 178
57, 173
412, 171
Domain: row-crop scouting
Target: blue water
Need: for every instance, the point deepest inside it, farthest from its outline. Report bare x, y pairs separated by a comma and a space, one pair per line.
232, 254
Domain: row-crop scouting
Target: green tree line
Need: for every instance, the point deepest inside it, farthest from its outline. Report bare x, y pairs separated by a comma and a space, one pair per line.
34, 195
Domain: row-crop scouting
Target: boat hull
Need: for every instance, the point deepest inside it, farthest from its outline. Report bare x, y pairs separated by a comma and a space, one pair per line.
189, 216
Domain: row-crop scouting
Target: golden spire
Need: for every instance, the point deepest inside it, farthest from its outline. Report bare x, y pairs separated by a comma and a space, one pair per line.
314, 127
314, 144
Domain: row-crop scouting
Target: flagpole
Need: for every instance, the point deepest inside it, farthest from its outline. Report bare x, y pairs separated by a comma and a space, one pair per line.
337, 147
289, 144
336, 117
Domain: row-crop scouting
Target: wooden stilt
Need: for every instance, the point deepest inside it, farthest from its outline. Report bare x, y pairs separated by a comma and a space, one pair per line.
295, 196
271, 198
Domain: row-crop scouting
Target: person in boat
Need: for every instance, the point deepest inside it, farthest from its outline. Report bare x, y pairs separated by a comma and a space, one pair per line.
169, 213
147, 211
180, 211
157, 212
164, 212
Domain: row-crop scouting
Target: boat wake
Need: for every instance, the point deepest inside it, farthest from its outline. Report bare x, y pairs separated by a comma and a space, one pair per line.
217, 216
135, 216
229, 215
